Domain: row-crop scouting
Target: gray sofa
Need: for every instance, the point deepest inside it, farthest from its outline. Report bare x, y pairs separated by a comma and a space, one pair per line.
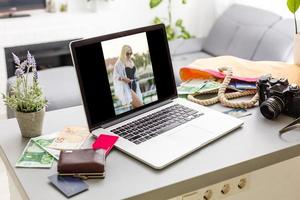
241, 31
60, 87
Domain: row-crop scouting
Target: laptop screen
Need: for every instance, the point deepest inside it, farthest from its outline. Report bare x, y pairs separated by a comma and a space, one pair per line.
123, 74
130, 72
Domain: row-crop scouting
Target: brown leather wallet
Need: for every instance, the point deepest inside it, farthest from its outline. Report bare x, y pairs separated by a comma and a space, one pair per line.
82, 163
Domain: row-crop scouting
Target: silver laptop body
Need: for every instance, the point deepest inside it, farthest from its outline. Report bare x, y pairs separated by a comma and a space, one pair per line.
164, 128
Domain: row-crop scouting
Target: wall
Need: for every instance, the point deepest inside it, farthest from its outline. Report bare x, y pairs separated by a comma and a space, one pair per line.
198, 15
279, 6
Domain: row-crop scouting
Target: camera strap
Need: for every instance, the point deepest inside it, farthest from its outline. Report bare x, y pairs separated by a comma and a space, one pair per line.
223, 97
294, 124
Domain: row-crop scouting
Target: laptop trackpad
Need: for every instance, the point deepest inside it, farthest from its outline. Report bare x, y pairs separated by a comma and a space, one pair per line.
191, 135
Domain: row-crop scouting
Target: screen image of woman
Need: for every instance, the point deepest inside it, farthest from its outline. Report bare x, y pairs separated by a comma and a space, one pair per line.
125, 81
130, 72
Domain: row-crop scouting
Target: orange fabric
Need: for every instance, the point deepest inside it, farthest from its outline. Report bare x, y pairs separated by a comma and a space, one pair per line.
189, 73
242, 68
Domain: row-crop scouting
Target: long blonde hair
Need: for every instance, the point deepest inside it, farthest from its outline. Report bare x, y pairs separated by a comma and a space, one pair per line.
126, 48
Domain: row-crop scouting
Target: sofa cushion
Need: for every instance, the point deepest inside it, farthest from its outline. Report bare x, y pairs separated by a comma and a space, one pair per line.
181, 46
60, 87
281, 34
238, 31
220, 36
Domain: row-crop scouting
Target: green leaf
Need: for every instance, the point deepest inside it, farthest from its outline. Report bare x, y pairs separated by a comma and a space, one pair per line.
154, 3
170, 33
293, 5
179, 22
183, 1
186, 35
157, 20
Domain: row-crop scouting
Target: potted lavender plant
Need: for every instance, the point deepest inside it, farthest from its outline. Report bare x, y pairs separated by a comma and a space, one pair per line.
26, 97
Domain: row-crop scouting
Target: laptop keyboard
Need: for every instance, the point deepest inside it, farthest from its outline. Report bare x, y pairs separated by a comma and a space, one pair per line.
156, 123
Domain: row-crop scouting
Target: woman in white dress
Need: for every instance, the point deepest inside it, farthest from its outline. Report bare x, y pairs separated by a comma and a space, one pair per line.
126, 85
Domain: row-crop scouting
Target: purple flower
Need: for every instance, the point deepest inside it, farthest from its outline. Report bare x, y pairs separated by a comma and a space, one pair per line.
23, 65
31, 60
16, 59
19, 72
35, 74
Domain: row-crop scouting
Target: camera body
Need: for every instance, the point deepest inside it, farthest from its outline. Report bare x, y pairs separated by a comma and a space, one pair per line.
278, 96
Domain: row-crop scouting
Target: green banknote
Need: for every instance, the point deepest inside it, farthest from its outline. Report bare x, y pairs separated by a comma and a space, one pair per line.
210, 86
197, 85
34, 156
190, 86
44, 141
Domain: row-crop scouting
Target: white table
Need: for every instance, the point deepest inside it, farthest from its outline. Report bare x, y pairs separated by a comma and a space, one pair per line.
251, 147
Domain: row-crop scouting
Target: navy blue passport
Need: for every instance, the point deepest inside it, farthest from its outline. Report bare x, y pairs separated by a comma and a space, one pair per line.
68, 185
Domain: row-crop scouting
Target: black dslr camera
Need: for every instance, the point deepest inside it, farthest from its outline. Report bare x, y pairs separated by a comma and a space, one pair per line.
276, 96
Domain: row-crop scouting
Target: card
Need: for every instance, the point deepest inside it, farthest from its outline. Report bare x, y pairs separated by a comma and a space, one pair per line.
237, 112
68, 185
245, 85
105, 142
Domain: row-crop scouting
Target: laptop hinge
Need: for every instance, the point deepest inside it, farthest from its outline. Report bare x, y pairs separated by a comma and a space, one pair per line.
116, 121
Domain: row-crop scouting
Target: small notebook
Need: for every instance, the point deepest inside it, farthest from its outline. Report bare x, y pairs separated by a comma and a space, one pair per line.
105, 142
68, 185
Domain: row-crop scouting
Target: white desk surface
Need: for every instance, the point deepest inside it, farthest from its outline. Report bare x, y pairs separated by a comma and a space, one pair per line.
251, 147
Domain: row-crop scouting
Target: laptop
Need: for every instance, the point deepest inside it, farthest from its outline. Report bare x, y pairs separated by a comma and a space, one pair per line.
128, 89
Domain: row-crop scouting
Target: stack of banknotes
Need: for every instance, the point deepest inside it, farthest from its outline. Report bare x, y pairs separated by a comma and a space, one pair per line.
40, 152
198, 85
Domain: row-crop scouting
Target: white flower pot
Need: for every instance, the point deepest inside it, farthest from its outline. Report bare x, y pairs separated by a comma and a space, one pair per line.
297, 49
31, 124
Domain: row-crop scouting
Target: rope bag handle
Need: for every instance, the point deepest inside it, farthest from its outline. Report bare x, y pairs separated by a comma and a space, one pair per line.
223, 97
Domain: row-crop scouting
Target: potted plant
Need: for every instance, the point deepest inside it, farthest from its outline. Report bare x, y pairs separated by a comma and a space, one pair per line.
293, 6
174, 30
26, 97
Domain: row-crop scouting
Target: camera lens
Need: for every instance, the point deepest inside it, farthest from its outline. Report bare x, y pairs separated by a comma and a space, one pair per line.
272, 107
